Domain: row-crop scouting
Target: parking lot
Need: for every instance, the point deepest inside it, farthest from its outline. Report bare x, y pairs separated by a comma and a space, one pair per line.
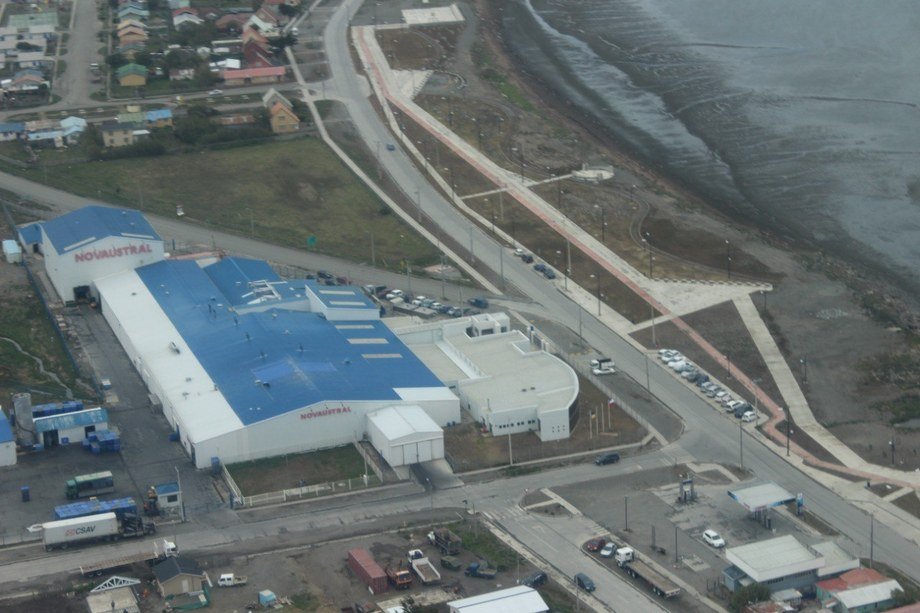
634, 507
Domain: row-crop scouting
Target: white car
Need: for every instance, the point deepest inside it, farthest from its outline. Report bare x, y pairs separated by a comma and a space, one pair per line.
732, 405
215, 92
749, 416
669, 355
713, 539
608, 550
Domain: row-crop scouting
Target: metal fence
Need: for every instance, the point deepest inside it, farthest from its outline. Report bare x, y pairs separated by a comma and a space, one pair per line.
297, 493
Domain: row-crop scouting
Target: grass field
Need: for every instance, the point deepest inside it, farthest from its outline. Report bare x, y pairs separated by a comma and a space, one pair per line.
283, 191
281, 472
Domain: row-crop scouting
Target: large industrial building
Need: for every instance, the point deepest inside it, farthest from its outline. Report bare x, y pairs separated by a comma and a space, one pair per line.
247, 365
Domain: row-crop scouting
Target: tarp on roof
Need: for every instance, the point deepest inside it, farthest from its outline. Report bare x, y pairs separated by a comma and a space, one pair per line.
65, 421
6, 431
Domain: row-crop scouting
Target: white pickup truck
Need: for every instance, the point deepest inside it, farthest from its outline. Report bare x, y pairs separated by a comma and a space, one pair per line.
231, 580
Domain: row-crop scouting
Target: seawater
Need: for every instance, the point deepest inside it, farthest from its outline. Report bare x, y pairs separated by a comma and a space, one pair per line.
800, 116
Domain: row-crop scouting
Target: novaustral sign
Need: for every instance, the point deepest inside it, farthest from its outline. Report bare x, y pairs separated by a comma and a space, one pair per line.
112, 252
324, 412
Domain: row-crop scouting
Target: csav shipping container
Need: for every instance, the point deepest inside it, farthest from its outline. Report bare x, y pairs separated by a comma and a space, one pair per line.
71, 531
362, 563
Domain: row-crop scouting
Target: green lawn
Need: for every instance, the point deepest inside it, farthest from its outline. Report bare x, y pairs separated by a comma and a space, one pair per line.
282, 472
289, 190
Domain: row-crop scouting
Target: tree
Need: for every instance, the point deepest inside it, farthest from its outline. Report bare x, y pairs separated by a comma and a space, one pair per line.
287, 10
116, 61
755, 592
905, 597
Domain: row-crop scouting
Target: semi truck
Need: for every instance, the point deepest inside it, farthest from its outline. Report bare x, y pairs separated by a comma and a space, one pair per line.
161, 550
627, 559
446, 541
423, 567
94, 484
103, 527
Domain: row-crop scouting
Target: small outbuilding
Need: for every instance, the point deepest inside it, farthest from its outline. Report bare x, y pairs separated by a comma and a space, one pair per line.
405, 435
67, 428
12, 252
7, 442
520, 599
120, 599
176, 576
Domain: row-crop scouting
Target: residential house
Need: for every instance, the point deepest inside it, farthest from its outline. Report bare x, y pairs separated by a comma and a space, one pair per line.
27, 80
267, 21
857, 591
117, 134
132, 75
232, 22
132, 34
175, 576
253, 76
133, 10
72, 128
252, 34
28, 20
184, 16
178, 4
130, 50
181, 74
159, 118
236, 119
135, 117
129, 23
11, 130
255, 56
283, 119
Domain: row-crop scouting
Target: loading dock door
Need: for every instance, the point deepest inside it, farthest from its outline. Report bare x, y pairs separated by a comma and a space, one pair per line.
410, 453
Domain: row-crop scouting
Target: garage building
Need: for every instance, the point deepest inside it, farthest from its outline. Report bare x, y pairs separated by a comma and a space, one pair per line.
405, 435
520, 599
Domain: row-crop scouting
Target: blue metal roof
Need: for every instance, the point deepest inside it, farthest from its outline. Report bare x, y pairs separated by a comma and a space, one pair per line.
31, 234
12, 126
341, 296
65, 421
162, 489
158, 114
234, 278
6, 431
92, 223
272, 362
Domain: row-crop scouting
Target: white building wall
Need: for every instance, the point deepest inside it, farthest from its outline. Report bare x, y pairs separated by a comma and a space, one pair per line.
96, 260
77, 434
554, 424
8, 453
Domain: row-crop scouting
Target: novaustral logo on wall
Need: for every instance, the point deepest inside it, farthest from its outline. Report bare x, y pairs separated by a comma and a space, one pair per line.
114, 252
324, 412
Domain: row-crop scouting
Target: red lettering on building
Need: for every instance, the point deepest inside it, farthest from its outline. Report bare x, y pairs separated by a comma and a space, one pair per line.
325, 412
112, 252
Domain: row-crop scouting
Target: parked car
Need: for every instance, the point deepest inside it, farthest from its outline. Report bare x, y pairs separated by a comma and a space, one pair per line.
607, 458
535, 579
584, 582
734, 404
549, 273
689, 373
527, 258
713, 539
668, 355
391, 147
608, 550
741, 410
712, 391
215, 92
726, 399
539, 267
596, 544
325, 276
749, 416
704, 378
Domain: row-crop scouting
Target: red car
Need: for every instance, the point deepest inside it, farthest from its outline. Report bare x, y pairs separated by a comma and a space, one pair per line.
595, 544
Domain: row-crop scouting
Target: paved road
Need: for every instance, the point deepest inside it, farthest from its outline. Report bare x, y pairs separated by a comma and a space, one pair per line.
74, 85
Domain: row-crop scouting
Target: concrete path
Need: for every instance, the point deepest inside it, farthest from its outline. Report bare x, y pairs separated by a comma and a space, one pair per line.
798, 406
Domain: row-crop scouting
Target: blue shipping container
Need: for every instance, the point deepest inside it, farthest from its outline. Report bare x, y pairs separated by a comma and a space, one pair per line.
119, 506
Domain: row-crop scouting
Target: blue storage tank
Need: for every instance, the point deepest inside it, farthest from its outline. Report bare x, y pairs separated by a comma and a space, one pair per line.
25, 493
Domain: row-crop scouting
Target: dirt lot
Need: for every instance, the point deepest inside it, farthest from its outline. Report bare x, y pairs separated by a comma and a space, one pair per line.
297, 470
316, 578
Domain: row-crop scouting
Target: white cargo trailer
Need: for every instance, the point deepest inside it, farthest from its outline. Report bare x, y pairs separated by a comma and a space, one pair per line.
71, 531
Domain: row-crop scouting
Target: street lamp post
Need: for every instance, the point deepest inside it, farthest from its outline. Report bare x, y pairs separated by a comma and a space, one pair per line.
891, 444
728, 259
788, 424
418, 204
728, 361
598, 277
804, 362
741, 443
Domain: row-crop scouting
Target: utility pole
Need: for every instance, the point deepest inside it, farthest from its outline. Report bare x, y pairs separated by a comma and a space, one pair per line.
501, 264
373, 252
472, 255
625, 513
648, 380
418, 204
510, 454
